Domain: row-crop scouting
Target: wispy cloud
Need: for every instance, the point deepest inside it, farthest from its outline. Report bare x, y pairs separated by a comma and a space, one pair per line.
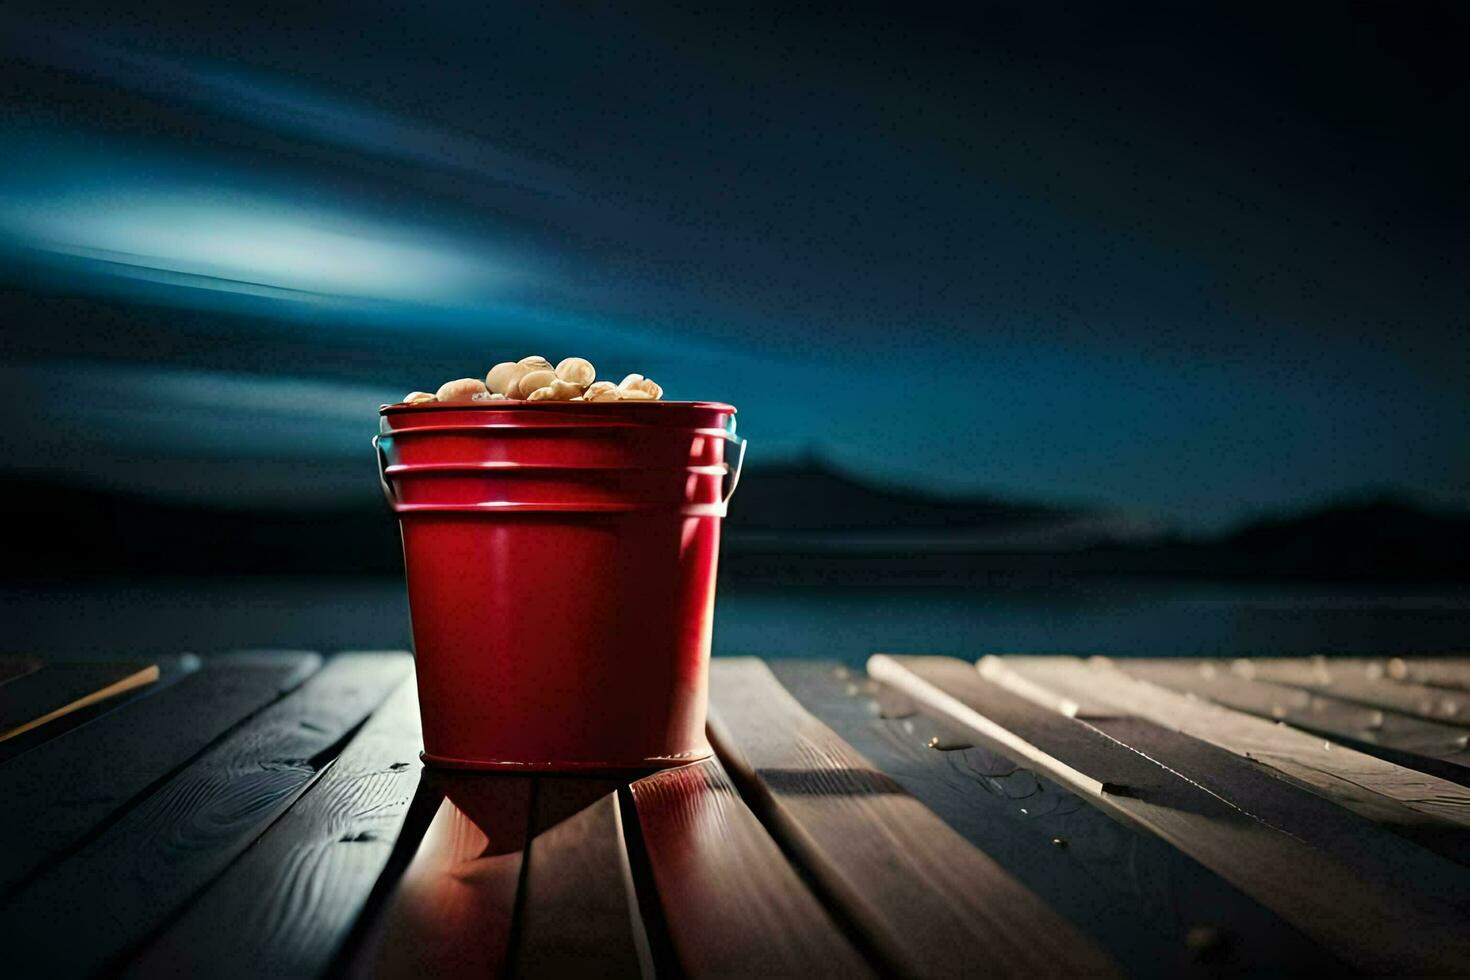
288, 108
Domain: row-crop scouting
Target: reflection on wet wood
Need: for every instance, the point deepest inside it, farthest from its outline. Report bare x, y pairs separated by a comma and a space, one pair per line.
285, 907
578, 913
1415, 742
927, 899
33, 699
1429, 809
75, 782
733, 905
450, 914
154, 858
1137, 896
1371, 930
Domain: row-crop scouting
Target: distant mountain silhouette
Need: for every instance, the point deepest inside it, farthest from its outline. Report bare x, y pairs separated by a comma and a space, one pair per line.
796, 522
1377, 537
810, 506
810, 495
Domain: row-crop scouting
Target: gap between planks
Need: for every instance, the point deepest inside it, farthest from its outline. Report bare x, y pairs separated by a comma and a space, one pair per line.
1375, 788
57, 690
148, 863
1361, 684
577, 913
731, 903
1384, 861
451, 912
1413, 742
285, 907
1379, 932
72, 785
928, 900
1156, 910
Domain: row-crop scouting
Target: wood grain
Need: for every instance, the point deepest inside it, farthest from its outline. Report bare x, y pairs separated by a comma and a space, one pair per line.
929, 901
1370, 929
452, 911
1383, 861
1142, 900
1360, 684
33, 699
733, 905
1450, 673
285, 907
1414, 803
578, 916
70, 786
1425, 745
86, 912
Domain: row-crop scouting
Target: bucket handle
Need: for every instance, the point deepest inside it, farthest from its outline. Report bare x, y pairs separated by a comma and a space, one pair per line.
733, 471
383, 473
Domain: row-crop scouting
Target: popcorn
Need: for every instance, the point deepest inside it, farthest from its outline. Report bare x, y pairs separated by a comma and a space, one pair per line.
534, 379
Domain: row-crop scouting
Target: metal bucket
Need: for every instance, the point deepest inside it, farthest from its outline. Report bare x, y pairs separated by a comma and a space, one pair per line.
561, 563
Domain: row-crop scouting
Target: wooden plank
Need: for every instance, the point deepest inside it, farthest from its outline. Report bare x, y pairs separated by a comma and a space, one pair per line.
1433, 811
1383, 861
1424, 745
579, 914
451, 913
1153, 908
71, 785
1371, 930
1448, 672
733, 905
170, 670
286, 906
1451, 673
1360, 684
55, 690
17, 666
90, 909
930, 902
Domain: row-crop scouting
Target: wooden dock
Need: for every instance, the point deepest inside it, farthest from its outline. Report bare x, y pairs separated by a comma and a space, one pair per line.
266, 814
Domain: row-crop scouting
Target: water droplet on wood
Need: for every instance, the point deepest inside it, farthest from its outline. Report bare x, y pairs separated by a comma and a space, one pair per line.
1203, 938
947, 745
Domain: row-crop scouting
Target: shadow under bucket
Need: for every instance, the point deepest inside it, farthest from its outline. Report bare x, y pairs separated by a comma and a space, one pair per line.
561, 565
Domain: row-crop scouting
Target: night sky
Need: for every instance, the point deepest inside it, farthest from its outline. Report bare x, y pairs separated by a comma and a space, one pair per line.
1191, 263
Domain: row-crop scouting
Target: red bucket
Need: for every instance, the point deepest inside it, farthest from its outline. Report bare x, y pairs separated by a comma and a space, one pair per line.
561, 576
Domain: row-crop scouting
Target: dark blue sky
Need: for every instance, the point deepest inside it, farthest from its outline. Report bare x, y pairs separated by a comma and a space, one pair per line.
1191, 263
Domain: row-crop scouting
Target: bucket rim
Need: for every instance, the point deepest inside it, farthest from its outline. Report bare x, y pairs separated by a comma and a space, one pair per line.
511, 466
518, 405
513, 428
